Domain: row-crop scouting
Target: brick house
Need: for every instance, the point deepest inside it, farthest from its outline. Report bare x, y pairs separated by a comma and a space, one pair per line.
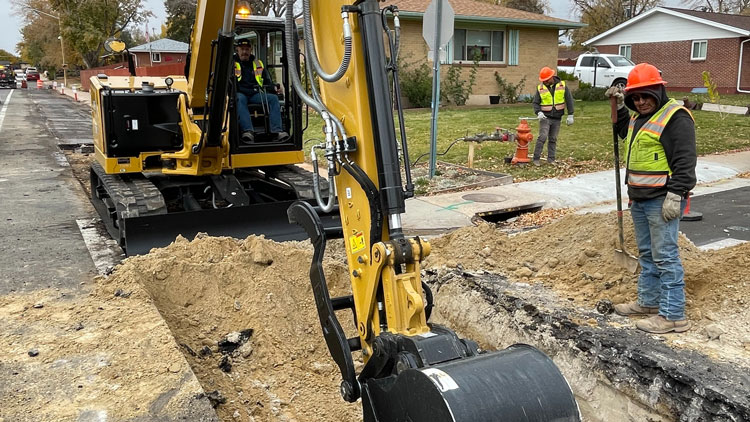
684, 43
514, 43
162, 51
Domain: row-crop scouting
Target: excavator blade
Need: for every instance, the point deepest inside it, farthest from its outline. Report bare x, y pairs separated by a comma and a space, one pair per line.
519, 384
269, 219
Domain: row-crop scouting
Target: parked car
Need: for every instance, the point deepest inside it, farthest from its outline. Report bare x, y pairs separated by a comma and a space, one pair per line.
602, 70
7, 77
32, 74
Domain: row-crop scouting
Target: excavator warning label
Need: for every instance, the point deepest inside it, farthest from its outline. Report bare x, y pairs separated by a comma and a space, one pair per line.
442, 381
357, 242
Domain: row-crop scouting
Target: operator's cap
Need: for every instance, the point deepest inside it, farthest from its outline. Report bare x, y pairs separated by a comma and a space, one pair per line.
243, 41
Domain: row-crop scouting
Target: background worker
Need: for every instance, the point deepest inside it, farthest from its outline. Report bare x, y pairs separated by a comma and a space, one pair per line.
552, 96
253, 86
660, 171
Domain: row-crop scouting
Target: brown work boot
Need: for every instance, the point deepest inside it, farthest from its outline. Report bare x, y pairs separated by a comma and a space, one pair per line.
657, 324
634, 309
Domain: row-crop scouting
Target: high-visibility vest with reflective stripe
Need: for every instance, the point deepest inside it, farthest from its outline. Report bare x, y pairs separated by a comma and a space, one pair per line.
548, 101
647, 165
257, 69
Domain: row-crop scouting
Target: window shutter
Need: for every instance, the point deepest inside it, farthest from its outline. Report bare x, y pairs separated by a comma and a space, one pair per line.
513, 46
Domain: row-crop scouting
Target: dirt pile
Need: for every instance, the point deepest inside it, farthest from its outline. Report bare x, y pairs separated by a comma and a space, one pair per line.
211, 287
574, 257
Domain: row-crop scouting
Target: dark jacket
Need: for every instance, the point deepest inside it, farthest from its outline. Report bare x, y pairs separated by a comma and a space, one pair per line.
554, 114
248, 85
678, 140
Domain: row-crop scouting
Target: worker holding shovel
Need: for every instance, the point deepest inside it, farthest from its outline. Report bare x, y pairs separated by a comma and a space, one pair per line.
660, 171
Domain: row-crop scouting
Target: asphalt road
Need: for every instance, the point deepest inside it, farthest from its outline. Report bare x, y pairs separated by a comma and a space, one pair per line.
726, 219
40, 242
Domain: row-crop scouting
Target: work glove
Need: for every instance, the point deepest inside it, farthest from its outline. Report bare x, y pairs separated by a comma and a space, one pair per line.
541, 115
570, 120
616, 91
671, 207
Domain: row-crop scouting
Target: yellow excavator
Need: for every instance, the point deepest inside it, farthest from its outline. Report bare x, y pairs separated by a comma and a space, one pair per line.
413, 370
174, 143
169, 159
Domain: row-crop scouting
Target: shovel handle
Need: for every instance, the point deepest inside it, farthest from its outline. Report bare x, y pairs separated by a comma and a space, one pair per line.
613, 109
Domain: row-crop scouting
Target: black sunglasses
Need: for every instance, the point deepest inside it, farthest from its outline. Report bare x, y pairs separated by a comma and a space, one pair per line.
638, 97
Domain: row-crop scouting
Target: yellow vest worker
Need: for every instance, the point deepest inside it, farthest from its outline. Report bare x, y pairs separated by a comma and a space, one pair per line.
551, 99
660, 172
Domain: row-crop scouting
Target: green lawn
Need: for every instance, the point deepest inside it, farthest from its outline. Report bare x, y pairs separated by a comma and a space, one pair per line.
585, 146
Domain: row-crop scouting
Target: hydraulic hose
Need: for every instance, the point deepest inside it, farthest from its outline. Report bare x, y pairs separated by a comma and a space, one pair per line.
313, 56
317, 106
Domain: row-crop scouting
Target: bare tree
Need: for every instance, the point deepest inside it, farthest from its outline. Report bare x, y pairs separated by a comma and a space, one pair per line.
722, 6
603, 15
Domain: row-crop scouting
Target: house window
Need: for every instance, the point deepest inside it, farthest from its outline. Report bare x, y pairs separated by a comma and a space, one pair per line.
155, 57
699, 50
488, 46
625, 51
513, 46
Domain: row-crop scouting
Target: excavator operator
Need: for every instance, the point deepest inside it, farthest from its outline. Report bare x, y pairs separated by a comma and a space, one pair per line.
254, 86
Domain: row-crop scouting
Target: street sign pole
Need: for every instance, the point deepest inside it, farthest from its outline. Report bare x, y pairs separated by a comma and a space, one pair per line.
435, 88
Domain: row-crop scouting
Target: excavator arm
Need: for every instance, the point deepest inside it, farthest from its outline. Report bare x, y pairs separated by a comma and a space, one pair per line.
414, 370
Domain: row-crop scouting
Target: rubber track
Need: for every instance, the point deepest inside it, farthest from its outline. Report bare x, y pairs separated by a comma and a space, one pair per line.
134, 195
300, 179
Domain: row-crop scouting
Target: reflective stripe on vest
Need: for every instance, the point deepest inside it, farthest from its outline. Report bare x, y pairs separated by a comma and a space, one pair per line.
257, 69
647, 165
547, 101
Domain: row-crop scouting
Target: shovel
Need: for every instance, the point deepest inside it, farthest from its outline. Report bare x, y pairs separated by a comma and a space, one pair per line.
622, 257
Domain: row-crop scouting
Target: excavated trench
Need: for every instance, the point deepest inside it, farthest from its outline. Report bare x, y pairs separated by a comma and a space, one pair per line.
243, 314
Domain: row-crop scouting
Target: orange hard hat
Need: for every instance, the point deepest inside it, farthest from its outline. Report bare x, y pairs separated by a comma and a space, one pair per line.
546, 73
644, 74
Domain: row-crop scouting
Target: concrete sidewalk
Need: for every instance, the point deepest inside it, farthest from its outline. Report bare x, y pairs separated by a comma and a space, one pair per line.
590, 191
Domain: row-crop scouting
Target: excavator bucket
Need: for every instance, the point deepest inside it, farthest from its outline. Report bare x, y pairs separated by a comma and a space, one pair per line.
142, 233
519, 384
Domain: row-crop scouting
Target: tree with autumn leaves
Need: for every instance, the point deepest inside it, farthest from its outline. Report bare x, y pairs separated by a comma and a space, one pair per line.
83, 26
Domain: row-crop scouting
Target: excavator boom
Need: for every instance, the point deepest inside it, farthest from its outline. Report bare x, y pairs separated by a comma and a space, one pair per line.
414, 370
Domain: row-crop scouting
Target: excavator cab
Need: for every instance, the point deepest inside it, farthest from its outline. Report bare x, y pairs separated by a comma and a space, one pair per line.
266, 37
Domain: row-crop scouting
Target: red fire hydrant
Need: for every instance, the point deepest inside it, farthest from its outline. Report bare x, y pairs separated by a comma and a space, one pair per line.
523, 138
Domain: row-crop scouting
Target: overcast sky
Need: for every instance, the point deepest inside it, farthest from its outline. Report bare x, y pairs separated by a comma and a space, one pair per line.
11, 35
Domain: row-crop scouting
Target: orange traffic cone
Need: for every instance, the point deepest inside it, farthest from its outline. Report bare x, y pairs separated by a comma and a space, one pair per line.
523, 138
689, 215
39, 84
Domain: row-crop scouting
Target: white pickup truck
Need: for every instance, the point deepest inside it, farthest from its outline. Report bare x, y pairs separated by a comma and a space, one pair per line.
602, 70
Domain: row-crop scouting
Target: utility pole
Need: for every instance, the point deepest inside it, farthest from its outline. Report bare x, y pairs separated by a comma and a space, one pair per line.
62, 45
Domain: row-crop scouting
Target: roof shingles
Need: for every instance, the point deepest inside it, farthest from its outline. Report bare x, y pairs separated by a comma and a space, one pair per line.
477, 8
737, 21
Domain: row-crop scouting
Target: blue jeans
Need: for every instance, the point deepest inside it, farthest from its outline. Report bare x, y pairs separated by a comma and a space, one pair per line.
274, 110
661, 283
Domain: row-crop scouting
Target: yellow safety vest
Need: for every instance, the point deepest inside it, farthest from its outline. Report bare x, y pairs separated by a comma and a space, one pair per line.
647, 163
257, 69
548, 101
